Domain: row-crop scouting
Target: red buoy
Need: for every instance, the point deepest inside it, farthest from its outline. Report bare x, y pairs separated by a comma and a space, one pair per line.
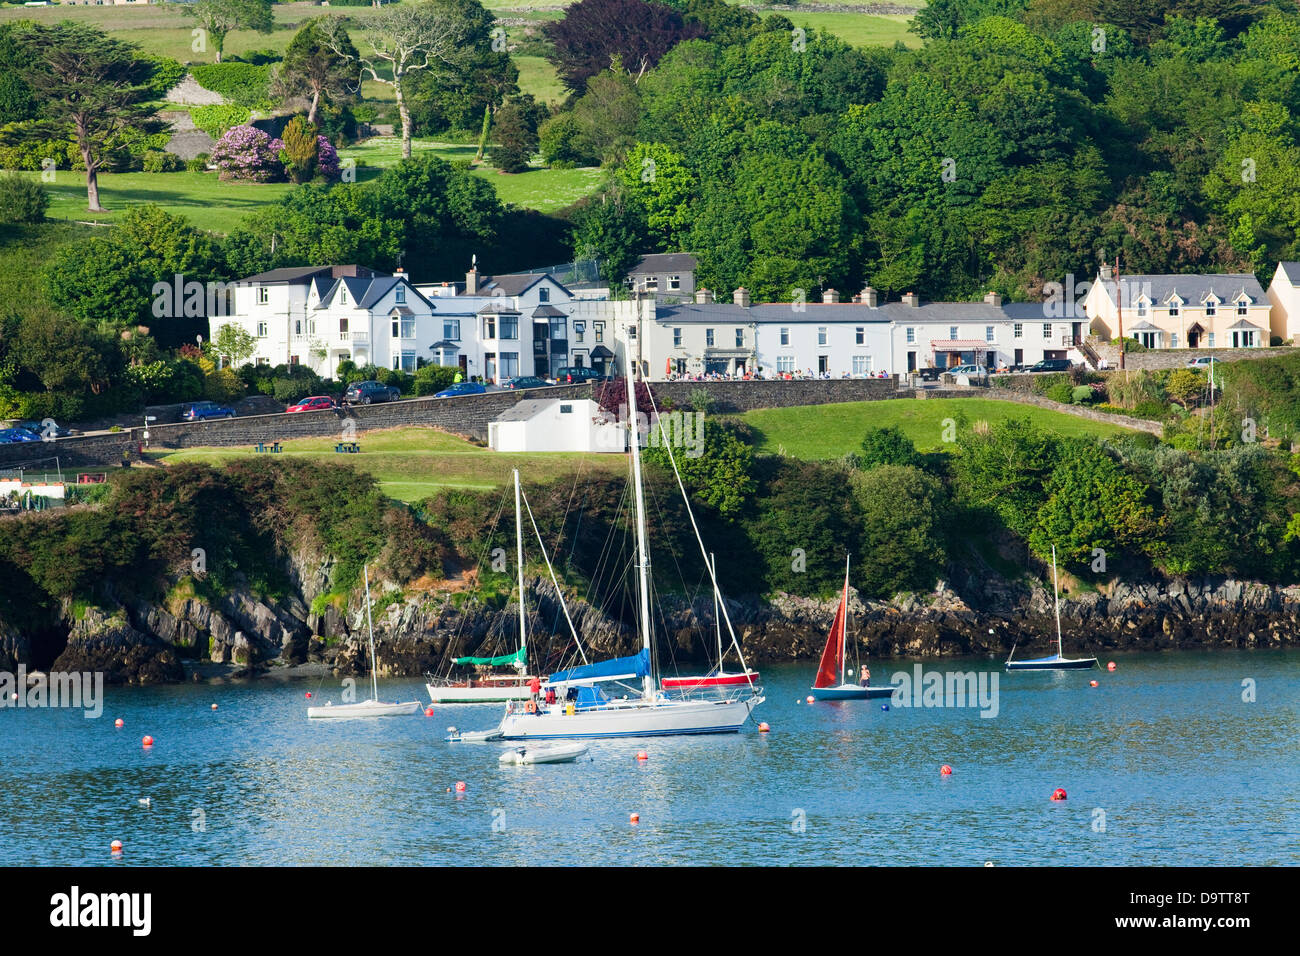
309, 695
642, 755
148, 741
460, 786
119, 722
634, 818
809, 698
1092, 683
116, 846
428, 711
763, 728
1058, 794
1110, 666
945, 771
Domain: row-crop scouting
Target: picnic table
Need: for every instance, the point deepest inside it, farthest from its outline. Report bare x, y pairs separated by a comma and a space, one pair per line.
271, 449
347, 447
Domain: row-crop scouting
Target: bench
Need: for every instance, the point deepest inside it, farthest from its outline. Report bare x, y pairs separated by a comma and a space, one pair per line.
347, 447
264, 449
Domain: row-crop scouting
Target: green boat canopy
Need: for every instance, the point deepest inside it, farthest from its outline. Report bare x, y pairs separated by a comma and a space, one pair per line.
518, 657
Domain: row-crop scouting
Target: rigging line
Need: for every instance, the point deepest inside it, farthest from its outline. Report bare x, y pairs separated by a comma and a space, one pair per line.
722, 603
445, 664
559, 592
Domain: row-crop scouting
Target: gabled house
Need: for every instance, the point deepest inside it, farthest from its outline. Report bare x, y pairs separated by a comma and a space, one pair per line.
1284, 296
667, 276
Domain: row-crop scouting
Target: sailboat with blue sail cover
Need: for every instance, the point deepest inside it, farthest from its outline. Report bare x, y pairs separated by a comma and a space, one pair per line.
576, 702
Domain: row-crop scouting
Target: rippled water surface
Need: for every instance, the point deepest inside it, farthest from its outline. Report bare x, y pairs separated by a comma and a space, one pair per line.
1164, 763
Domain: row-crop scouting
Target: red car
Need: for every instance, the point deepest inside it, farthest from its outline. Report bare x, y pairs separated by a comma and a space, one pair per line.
313, 404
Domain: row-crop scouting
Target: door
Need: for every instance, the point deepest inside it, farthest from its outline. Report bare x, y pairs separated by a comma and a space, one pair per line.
1020, 356
990, 359
911, 361
464, 365
1193, 339
823, 364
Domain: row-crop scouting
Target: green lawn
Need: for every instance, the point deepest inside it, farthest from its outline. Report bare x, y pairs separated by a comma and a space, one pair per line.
413, 463
384, 151
546, 190
25, 251
537, 76
856, 29
829, 431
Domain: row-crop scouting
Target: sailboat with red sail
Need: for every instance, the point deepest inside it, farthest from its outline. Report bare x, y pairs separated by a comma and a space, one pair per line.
830, 683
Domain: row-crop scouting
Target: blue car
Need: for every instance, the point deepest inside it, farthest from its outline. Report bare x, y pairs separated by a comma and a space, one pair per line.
461, 388
198, 411
12, 436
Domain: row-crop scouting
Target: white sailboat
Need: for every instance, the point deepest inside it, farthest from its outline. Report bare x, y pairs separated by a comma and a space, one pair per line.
581, 706
366, 708
493, 688
1058, 661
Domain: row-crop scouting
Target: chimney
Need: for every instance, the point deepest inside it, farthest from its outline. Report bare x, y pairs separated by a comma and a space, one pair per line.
912, 299
830, 297
993, 298
703, 296
741, 297
399, 272
471, 281
870, 297
1105, 271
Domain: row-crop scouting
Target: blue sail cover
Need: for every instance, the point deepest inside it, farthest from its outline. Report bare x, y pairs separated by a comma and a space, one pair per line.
638, 664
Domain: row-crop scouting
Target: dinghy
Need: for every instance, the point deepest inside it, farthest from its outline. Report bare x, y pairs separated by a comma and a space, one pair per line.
1058, 661
830, 683
472, 736
550, 753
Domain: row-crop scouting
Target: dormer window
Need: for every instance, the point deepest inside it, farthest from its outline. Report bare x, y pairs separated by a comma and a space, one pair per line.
1241, 306
1142, 306
1173, 307
1210, 307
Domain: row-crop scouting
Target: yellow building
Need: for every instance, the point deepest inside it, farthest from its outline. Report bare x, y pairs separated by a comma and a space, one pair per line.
1181, 311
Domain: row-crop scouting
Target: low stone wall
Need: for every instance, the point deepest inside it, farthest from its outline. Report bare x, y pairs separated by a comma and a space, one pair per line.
1177, 358
737, 397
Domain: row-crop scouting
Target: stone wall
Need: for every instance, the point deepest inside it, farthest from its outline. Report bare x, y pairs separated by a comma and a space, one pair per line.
468, 415
1177, 358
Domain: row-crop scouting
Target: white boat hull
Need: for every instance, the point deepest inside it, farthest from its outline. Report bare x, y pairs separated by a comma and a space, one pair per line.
476, 695
473, 736
554, 753
366, 708
635, 718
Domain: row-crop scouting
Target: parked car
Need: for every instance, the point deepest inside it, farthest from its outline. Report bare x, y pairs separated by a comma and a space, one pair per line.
198, 411
366, 393
930, 374
461, 388
12, 436
1201, 362
525, 381
312, 404
973, 371
571, 374
38, 429
1052, 365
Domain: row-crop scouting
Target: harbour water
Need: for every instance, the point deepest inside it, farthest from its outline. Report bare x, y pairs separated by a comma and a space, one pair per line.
1167, 761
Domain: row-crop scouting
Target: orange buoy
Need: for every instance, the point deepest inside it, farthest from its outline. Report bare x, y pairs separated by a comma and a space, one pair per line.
118, 723
642, 755
763, 728
148, 741
214, 706
1110, 666
1058, 794
460, 786
428, 711
116, 846
635, 818
1092, 683
945, 771
809, 698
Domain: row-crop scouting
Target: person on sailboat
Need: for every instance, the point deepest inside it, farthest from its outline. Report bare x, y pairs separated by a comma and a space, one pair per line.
866, 677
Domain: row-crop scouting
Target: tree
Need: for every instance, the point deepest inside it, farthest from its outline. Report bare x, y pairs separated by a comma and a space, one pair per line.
301, 147
92, 88
1006, 470
593, 33
313, 70
903, 517
233, 343
719, 471
406, 39
944, 19
219, 17
517, 123
804, 525
888, 446
656, 177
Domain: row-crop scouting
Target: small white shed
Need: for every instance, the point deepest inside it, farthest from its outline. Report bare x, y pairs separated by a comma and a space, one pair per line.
556, 424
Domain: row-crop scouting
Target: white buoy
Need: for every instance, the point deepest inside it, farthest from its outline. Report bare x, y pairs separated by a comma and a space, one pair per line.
146, 801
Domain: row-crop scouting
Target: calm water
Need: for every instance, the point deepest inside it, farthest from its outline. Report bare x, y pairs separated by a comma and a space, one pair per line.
1184, 771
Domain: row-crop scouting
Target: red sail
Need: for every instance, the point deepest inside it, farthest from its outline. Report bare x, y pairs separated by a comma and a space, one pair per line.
828, 673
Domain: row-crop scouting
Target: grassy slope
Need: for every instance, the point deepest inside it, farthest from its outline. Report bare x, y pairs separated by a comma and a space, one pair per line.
24, 253
413, 463
829, 431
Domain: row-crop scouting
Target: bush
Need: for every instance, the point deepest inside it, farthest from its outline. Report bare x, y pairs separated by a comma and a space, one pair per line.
431, 379
561, 143
242, 84
1082, 394
29, 154
301, 147
245, 152
1062, 392
22, 199
223, 385
199, 164
156, 161
217, 120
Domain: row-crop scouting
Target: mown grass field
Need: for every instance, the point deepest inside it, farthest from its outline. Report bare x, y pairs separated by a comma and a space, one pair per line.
829, 431
413, 463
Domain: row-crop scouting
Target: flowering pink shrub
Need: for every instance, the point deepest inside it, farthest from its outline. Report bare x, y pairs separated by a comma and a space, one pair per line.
327, 158
245, 152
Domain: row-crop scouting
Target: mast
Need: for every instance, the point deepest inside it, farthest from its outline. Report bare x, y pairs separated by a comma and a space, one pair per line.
717, 620
1056, 593
844, 632
643, 551
519, 560
370, 628
1119, 314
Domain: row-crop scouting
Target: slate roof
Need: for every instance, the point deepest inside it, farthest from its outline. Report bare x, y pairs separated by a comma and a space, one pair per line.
296, 274
1291, 270
1192, 289
664, 262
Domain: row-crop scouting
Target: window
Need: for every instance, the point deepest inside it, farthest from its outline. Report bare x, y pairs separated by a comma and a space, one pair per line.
861, 364
566, 409
821, 335
860, 335
952, 331
1241, 306
543, 294
293, 360
509, 327
652, 283
1210, 344
740, 338
489, 327
343, 329
297, 327
631, 331
911, 336
1173, 308
1018, 330
785, 363
1150, 339
263, 361
451, 330
263, 295
509, 364
988, 333
674, 283
599, 328
261, 330
785, 336
677, 338
1047, 330
400, 294
1244, 339
403, 327
1173, 340
1209, 308
579, 329
708, 337
404, 361
1142, 307
559, 329
343, 295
